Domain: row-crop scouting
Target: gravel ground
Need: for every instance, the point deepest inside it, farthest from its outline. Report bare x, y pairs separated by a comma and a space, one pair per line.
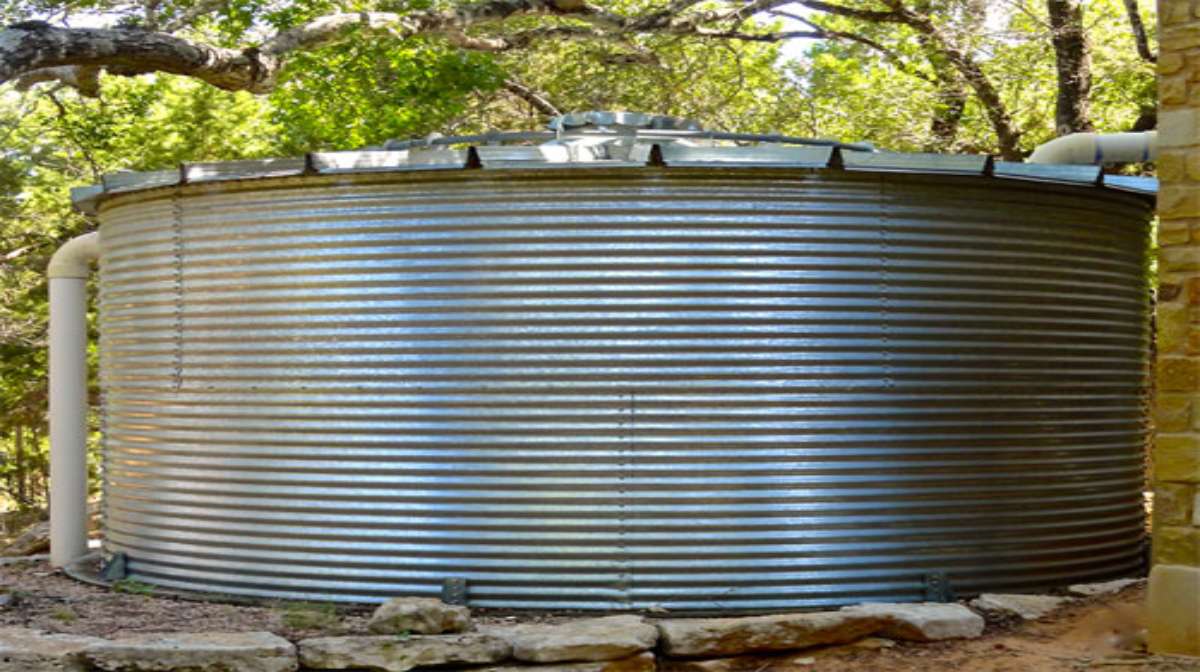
1094, 634
46, 599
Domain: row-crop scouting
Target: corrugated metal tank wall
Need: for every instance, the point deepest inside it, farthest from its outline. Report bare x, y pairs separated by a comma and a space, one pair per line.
610, 389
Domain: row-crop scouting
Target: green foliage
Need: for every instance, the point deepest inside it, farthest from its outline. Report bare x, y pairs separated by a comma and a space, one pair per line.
133, 587
848, 90
723, 84
64, 614
363, 93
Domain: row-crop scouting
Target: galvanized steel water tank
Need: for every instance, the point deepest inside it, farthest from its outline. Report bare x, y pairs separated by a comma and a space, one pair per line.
622, 373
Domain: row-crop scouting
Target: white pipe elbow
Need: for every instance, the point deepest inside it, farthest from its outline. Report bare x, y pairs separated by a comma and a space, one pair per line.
74, 259
1098, 149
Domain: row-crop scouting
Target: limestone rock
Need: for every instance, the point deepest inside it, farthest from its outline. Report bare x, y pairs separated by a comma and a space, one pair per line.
1028, 607
762, 634
36, 539
420, 615
1172, 602
642, 662
195, 652
592, 639
925, 621
1105, 588
24, 650
389, 653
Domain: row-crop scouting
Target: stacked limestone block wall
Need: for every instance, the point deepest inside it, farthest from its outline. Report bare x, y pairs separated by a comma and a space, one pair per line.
1174, 593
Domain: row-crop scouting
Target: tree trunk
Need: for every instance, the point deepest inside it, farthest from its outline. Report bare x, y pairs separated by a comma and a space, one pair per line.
1073, 60
952, 97
947, 118
19, 465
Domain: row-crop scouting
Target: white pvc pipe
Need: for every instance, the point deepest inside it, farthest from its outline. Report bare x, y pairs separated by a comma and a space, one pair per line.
68, 272
1098, 148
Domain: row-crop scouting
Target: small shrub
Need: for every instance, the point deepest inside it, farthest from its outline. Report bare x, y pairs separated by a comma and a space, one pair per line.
310, 616
64, 615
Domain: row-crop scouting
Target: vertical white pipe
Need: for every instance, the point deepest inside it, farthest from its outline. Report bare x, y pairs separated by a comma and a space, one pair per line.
68, 420
68, 273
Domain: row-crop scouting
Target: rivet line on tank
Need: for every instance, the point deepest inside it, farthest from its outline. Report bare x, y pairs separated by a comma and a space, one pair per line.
177, 250
889, 382
624, 579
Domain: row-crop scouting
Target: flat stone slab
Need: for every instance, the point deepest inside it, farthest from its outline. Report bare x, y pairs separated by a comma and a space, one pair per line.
764, 634
25, 650
1028, 607
420, 615
924, 621
392, 653
642, 662
195, 652
1172, 602
592, 639
1104, 588
775, 662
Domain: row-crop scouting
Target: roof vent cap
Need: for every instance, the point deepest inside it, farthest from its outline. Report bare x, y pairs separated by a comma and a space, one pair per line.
619, 121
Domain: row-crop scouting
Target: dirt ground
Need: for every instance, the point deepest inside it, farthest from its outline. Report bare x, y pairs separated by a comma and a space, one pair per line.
1096, 634
44, 598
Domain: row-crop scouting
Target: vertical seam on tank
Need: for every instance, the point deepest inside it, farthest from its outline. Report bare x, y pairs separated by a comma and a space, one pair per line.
101, 348
625, 452
884, 281
177, 250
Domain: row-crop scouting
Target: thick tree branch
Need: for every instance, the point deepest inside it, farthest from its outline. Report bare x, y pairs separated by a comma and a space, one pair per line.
889, 16
536, 100
40, 52
29, 47
26, 48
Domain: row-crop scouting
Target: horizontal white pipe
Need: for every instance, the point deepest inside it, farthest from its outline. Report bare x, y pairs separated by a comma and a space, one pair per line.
68, 272
1098, 148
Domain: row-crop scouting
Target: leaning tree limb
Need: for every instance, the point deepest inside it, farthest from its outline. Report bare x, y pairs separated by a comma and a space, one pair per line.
1008, 136
1139, 31
536, 99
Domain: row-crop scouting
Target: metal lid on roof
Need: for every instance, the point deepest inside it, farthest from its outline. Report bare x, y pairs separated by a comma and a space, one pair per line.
576, 120
608, 140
